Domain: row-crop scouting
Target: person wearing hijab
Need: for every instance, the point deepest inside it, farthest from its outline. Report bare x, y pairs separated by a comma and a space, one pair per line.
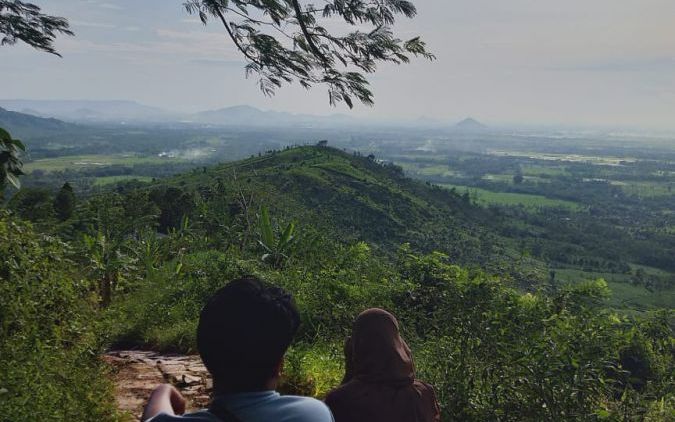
379, 383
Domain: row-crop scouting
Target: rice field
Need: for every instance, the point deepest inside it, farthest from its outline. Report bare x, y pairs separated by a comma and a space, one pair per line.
624, 295
486, 197
110, 180
646, 189
79, 162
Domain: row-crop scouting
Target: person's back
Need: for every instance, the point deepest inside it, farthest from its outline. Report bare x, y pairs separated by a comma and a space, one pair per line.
242, 337
380, 384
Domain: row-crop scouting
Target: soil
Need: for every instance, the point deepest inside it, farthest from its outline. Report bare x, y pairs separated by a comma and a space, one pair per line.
136, 373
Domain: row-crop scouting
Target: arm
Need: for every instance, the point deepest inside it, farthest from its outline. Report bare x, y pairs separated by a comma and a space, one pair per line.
349, 365
164, 399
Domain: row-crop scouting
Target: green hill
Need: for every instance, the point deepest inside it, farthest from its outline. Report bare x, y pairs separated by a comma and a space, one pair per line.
359, 198
103, 277
23, 125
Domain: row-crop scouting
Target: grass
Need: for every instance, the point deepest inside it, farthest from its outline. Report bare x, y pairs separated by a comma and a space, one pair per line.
624, 294
646, 189
486, 197
110, 180
541, 170
574, 158
77, 162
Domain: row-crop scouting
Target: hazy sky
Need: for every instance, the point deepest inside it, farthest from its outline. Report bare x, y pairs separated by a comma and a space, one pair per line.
604, 62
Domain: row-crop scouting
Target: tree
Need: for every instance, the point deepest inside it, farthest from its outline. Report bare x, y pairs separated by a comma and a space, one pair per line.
34, 204
20, 21
277, 248
10, 160
285, 41
107, 263
64, 202
518, 177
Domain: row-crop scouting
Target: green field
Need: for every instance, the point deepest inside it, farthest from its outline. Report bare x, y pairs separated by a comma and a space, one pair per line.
110, 180
541, 170
78, 162
573, 158
487, 197
624, 294
646, 189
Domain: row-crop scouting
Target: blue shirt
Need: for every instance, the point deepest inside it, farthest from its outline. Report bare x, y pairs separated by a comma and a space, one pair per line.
262, 406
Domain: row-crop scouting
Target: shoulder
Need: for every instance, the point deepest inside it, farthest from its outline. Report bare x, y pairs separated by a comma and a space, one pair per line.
201, 416
305, 409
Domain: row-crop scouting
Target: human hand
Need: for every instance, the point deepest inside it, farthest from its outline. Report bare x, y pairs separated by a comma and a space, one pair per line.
164, 399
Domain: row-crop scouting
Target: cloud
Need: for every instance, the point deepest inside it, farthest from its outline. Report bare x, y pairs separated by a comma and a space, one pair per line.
169, 44
76, 23
623, 64
110, 6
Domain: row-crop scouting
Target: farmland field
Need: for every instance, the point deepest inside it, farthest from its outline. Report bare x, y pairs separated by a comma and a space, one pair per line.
486, 197
109, 180
78, 162
624, 294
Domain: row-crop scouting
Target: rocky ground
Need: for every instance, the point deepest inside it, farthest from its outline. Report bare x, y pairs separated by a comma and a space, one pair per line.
137, 373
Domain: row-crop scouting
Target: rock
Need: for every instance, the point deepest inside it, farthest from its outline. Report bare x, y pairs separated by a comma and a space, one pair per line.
191, 380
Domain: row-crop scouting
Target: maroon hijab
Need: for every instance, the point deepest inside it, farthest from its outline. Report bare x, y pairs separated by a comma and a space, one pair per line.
379, 383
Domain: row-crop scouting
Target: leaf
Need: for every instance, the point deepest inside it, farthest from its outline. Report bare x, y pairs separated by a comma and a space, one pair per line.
287, 236
19, 144
13, 180
4, 135
266, 231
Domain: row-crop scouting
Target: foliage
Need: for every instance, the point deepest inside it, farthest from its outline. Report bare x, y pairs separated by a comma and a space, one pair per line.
48, 343
64, 202
285, 40
108, 263
497, 343
21, 21
277, 248
33, 204
10, 160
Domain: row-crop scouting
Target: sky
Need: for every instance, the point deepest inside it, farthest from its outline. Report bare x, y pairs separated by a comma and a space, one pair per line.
607, 63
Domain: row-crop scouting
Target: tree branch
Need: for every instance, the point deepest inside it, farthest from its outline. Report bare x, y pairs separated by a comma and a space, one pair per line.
307, 35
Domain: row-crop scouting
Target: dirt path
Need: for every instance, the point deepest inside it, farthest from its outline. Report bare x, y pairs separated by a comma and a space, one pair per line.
137, 373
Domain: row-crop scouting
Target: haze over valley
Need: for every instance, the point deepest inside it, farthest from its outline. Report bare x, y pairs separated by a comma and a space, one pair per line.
498, 175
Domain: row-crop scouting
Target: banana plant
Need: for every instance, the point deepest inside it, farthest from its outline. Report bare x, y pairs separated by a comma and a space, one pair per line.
10, 161
108, 263
148, 252
277, 248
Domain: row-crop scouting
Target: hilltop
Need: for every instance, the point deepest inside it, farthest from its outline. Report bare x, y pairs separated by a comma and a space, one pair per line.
22, 124
470, 125
355, 198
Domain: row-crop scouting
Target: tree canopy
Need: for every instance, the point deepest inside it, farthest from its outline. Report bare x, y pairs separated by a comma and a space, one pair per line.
20, 21
10, 161
285, 41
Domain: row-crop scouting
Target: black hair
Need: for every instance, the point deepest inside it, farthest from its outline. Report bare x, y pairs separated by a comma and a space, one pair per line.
244, 331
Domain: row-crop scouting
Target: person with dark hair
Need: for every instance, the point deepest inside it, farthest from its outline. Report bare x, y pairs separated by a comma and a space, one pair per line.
243, 333
379, 383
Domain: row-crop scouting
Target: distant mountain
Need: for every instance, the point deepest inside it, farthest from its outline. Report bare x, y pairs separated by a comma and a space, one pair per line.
90, 111
244, 115
22, 124
470, 125
239, 115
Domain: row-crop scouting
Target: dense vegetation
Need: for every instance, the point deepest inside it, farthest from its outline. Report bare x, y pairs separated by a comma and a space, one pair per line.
497, 336
49, 366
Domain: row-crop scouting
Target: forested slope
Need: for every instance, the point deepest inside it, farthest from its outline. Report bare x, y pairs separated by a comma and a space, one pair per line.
133, 266
352, 197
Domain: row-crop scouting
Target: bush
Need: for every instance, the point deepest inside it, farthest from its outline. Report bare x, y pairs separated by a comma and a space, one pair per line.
49, 365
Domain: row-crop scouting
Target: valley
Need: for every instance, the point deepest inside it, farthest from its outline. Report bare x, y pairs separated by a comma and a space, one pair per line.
531, 203
559, 260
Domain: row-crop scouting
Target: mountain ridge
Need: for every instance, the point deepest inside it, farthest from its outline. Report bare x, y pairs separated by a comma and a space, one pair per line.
360, 198
22, 124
